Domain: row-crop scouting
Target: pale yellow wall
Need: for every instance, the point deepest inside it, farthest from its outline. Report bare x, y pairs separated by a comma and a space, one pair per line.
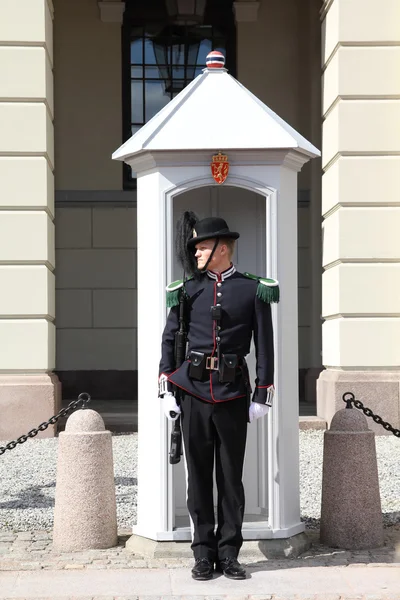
88, 121
96, 288
26, 187
361, 183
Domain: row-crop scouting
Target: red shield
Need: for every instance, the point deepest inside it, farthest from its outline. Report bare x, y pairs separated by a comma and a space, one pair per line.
220, 167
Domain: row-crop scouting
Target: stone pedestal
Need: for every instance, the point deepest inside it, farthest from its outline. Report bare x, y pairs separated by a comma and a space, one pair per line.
378, 390
26, 401
351, 515
85, 514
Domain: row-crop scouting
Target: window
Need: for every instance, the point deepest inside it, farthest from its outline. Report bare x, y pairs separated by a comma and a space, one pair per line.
161, 57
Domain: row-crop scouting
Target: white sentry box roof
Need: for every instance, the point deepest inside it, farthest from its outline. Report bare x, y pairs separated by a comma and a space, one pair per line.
214, 112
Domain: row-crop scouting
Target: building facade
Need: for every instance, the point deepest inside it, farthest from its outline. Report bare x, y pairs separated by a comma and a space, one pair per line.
78, 77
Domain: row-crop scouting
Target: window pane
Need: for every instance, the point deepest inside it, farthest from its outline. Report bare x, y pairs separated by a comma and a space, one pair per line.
152, 73
220, 49
149, 56
205, 48
156, 98
137, 101
177, 86
178, 72
135, 128
178, 54
137, 51
136, 71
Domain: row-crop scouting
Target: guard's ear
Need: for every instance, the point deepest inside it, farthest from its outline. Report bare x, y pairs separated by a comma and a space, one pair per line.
224, 248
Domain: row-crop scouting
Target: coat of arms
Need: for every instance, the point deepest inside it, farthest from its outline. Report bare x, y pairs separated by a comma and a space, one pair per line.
220, 167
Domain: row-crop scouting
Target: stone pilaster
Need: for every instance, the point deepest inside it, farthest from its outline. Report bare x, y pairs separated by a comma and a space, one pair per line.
360, 206
29, 392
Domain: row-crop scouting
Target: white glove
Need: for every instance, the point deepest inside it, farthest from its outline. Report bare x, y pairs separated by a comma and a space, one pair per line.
257, 410
170, 405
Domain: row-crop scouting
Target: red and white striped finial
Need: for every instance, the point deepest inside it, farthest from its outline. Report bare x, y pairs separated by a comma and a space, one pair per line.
215, 60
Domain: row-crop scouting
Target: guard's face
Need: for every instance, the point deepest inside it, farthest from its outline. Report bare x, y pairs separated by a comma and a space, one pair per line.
203, 251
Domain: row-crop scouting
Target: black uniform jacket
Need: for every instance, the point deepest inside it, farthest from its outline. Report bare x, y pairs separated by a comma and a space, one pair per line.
243, 315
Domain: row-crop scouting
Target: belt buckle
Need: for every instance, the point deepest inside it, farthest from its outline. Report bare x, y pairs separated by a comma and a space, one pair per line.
212, 363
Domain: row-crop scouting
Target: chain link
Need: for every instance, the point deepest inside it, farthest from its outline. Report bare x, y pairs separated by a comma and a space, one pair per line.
82, 399
350, 400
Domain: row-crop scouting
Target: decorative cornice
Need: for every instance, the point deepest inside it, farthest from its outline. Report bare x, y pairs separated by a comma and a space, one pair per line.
111, 12
146, 161
246, 12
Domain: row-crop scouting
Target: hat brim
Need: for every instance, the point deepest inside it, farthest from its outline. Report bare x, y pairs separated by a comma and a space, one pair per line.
233, 235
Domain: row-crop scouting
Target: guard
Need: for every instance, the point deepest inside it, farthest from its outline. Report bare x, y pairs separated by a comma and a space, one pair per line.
210, 390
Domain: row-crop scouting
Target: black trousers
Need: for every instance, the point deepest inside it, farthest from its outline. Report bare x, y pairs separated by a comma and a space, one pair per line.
215, 430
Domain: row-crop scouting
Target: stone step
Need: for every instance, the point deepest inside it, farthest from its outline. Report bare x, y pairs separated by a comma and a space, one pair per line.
312, 422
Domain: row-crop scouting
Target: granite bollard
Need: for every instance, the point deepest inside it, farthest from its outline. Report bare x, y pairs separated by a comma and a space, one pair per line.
85, 514
351, 515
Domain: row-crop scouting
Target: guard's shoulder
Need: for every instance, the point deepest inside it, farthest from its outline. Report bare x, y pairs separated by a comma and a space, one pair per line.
267, 288
174, 285
174, 291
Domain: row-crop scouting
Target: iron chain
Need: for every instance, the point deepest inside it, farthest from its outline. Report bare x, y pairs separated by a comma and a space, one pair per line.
82, 399
368, 413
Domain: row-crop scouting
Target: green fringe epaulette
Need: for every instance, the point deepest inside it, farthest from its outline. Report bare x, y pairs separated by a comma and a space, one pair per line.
173, 293
267, 289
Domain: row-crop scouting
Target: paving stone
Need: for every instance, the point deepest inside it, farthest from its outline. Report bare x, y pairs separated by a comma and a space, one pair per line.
329, 596
24, 535
29, 567
156, 563
138, 563
41, 536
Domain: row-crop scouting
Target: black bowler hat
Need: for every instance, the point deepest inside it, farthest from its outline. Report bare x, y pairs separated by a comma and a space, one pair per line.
209, 228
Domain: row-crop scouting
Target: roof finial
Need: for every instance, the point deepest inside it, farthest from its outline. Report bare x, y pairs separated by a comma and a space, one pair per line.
215, 60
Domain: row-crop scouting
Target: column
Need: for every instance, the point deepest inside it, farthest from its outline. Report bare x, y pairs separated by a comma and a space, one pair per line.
29, 391
361, 206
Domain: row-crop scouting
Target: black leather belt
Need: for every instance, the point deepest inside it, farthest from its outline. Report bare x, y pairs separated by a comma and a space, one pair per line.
200, 363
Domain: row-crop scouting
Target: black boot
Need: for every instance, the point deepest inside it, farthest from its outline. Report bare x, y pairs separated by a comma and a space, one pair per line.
203, 569
231, 568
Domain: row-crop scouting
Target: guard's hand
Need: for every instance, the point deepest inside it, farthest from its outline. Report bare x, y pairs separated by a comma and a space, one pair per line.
170, 406
257, 410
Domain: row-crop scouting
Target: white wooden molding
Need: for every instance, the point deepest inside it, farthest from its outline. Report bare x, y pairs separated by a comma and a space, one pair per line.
325, 8
246, 12
111, 12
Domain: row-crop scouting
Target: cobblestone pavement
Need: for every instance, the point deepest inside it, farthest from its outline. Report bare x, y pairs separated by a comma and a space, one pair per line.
26, 551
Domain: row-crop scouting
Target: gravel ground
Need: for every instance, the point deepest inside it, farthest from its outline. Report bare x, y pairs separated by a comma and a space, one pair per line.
27, 478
